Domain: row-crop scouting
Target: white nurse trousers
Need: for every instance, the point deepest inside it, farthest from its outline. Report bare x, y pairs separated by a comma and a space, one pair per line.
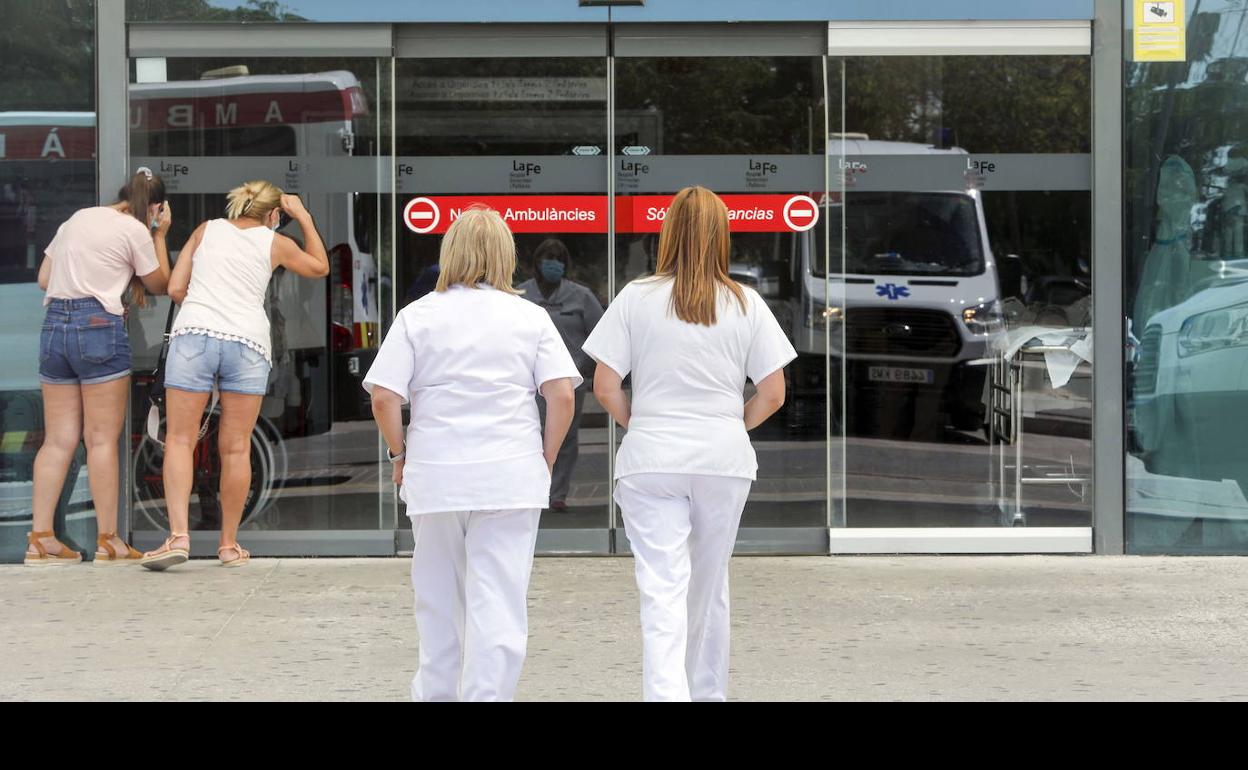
470, 577
682, 529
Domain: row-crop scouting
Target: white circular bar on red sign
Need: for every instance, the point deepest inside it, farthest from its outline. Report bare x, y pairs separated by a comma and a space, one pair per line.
801, 213
422, 215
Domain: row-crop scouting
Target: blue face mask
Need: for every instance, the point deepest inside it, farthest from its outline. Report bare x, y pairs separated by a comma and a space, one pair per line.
552, 270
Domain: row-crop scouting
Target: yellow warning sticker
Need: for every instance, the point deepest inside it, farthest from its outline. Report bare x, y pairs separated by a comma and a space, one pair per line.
12, 442
1160, 30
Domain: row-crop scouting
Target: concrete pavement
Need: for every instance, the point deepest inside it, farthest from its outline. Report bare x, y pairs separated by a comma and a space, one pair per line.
881, 628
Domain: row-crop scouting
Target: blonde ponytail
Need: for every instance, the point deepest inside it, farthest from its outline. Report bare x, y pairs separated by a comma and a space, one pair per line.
254, 200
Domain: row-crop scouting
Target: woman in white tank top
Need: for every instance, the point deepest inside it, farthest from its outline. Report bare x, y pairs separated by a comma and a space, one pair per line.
220, 342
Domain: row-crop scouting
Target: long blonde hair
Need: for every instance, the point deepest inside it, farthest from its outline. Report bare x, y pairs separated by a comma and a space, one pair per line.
694, 247
478, 248
254, 200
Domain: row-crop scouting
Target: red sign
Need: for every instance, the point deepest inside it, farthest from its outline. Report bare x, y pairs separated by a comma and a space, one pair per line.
746, 213
588, 213
523, 213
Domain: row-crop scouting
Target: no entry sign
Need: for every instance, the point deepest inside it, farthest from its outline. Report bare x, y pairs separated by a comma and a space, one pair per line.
523, 213
801, 213
423, 215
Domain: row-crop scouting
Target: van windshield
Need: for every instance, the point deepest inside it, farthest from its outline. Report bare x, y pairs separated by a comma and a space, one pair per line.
903, 234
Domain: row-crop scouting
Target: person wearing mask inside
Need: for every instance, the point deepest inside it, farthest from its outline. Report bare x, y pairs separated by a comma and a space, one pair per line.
575, 312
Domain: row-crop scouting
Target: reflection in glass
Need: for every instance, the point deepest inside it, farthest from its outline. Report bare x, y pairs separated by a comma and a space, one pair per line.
503, 131
750, 126
909, 234
575, 312
312, 127
959, 296
1186, 295
47, 172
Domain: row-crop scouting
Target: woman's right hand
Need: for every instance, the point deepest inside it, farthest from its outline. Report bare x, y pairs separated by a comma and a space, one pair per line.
293, 206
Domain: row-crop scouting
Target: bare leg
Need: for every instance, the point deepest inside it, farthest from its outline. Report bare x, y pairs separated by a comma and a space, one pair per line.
62, 421
238, 420
104, 415
185, 415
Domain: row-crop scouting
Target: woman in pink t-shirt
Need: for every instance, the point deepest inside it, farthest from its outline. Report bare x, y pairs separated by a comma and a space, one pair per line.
85, 357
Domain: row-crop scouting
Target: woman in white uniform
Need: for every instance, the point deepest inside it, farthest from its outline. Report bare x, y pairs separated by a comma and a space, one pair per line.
473, 467
689, 336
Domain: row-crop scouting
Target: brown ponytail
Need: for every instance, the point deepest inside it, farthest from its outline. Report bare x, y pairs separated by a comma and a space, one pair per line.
143, 190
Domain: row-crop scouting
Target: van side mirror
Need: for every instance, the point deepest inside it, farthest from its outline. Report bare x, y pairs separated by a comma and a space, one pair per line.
1010, 275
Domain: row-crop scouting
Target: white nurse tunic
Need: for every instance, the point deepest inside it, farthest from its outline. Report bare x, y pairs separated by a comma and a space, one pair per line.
471, 362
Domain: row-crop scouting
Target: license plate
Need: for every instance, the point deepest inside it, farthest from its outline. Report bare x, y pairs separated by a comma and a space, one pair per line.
901, 375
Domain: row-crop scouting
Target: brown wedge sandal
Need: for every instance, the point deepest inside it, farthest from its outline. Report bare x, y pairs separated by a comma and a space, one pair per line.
64, 557
106, 555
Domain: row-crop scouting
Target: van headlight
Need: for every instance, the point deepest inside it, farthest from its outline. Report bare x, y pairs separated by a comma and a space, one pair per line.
988, 318
1215, 330
821, 314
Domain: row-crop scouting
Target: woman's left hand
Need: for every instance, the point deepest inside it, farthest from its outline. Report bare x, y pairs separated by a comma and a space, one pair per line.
397, 478
164, 219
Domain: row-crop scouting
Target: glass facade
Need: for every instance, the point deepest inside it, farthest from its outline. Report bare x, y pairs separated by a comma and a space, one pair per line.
1186, 293
47, 171
473, 11
940, 299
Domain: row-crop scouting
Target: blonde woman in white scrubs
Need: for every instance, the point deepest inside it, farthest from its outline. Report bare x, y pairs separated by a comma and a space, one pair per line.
690, 337
473, 465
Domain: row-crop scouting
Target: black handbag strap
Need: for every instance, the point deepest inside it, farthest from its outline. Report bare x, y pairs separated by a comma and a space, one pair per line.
164, 340
157, 389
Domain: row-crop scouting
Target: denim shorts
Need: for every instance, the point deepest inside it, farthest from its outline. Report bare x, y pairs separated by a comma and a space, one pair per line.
83, 344
198, 363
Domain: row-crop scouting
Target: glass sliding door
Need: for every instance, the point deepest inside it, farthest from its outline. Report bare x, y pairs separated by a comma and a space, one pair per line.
961, 211
318, 127
741, 112
517, 120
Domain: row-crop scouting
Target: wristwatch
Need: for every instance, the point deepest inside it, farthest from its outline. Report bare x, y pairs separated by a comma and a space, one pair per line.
395, 458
